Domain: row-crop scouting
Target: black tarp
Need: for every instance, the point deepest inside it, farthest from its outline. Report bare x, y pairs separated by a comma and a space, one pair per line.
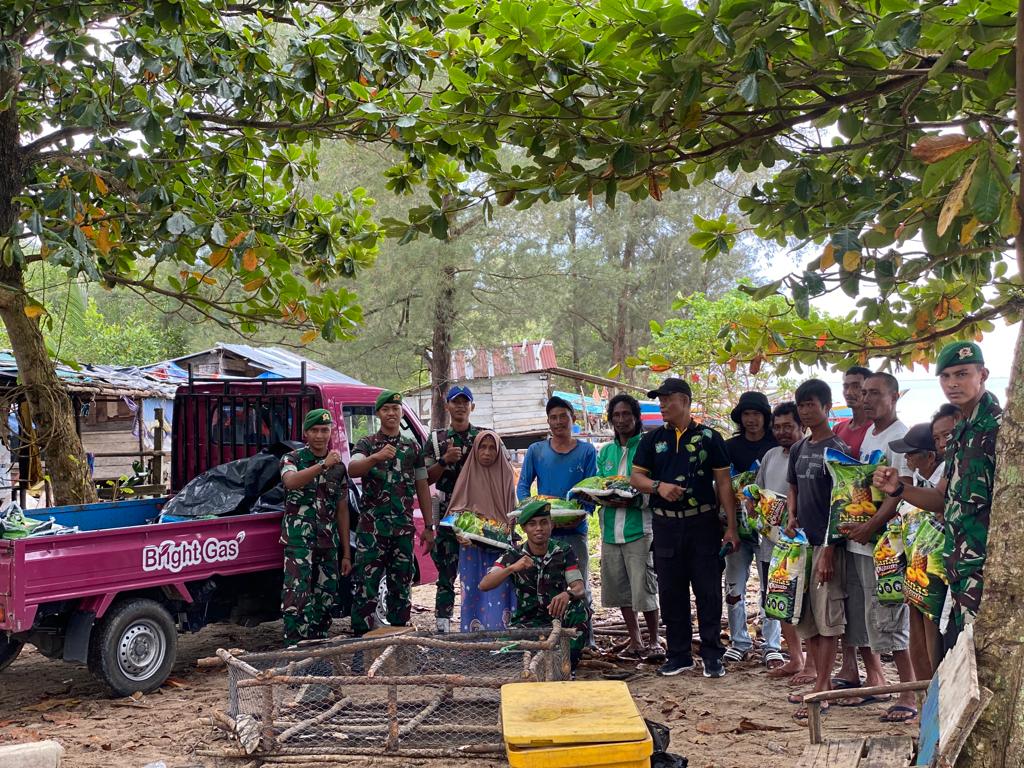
235, 488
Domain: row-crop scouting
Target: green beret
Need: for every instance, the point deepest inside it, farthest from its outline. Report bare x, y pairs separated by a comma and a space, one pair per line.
316, 417
385, 397
959, 353
536, 508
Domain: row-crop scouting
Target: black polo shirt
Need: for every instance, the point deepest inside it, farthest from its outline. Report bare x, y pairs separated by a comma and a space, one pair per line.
686, 458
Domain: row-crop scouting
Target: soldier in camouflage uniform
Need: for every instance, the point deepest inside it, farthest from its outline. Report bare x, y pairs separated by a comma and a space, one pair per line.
393, 473
964, 496
315, 522
546, 578
444, 455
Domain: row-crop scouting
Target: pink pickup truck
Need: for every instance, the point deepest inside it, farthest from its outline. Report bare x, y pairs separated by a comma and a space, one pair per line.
115, 594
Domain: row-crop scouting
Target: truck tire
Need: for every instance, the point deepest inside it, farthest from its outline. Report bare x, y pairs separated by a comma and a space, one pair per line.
134, 646
9, 650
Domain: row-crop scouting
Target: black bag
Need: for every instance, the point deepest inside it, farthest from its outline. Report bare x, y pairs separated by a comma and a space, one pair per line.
662, 758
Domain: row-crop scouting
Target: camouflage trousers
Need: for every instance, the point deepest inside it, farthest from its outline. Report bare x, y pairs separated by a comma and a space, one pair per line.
390, 558
308, 592
445, 555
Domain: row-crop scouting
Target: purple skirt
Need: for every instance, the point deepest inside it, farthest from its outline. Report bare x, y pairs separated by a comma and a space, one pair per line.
483, 610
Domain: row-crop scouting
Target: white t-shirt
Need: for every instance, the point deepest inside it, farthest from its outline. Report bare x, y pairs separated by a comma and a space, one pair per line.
880, 442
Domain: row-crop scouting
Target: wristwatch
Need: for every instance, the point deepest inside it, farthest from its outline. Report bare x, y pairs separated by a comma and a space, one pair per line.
442, 462
899, 491
654, 486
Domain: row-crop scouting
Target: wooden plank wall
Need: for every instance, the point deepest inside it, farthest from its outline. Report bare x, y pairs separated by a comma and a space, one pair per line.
504, 403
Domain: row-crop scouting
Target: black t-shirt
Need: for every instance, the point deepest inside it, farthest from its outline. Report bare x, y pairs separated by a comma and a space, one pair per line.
807, 471
684, 458
744, 453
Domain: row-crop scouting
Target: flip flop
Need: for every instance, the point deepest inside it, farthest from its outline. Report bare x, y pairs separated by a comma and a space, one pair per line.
839, 684
897, 709
801, 679
862, 701
797, 698
801, 714
774, 660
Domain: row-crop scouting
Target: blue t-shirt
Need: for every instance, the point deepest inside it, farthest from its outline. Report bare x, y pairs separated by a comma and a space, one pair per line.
557, 473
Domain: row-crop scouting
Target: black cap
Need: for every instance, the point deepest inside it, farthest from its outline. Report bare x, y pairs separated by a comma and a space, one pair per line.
559, 402
752, 401
918, 438
671, 387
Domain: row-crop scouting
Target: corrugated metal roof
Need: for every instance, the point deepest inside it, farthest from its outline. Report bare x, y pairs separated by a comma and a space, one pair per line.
116, 380
276, 362
526, 357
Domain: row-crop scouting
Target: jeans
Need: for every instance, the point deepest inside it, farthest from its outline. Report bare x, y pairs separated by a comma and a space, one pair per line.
685, 558
737, 570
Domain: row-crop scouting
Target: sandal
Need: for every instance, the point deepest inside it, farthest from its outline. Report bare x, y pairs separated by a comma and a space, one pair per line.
655, 652
631, 654
801, 714
862, 701
733, 655
899, 713
797, 698
774, 659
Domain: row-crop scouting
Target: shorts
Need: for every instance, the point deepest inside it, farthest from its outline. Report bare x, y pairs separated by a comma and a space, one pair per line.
884, 628
627, 575
824, 612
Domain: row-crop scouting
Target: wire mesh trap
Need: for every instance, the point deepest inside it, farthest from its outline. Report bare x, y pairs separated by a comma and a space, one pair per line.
406, 694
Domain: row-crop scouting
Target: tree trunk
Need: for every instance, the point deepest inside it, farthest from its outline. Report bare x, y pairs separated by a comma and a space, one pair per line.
52, 411
997, 741
622, 304
574, 297
441, 348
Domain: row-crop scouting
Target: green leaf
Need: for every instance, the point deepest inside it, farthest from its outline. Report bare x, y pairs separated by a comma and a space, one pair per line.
624, 160
985, 195
179, 224
747, 89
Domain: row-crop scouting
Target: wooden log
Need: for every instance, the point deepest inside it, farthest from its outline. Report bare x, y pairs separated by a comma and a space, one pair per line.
308, 723
392, 742
849, 693
455, 681
424, 713
527, 658
269, 710
534, 669
233, 661
381, 660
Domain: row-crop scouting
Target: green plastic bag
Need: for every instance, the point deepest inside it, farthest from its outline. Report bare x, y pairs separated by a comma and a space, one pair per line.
746, 524
854, 497
788, 576
890, 563
925, 585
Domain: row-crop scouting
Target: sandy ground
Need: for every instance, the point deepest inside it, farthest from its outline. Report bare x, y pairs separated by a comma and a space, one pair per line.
739, 721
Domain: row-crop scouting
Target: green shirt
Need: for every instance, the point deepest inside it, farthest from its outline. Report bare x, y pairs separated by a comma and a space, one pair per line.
446, 482
621, 526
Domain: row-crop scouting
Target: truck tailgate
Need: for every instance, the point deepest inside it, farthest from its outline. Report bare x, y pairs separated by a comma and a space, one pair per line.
7, 587
100, 564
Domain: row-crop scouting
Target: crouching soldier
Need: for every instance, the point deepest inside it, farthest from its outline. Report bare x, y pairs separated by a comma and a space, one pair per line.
315, 522
546, 578
393, 473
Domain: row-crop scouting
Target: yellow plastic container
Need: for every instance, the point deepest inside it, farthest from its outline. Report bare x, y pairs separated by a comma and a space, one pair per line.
586, 724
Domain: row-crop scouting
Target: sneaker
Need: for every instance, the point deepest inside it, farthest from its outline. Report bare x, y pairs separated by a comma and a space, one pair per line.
675, 666
444, 626
714, 669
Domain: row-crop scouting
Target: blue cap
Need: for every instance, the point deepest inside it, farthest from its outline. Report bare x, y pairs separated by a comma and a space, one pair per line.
458, 391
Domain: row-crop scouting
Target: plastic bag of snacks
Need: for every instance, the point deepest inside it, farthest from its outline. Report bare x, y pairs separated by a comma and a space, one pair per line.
788, 575
925, 585
770, 512
746, 524
890, 563
564, 514
854, 498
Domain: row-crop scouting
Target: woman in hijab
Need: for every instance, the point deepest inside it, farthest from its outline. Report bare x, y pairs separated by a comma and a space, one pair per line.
487, 487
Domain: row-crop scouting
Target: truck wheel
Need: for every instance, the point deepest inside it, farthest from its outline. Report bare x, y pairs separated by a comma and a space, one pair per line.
9, 650
134, 646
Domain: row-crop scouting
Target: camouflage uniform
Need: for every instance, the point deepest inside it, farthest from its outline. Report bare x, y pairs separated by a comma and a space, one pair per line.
309, 533
537, 586
385, 533
446, 549
970, 473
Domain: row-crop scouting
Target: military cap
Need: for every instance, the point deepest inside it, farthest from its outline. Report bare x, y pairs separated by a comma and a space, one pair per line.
316, 417
536, 508
385, 397
959, 353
